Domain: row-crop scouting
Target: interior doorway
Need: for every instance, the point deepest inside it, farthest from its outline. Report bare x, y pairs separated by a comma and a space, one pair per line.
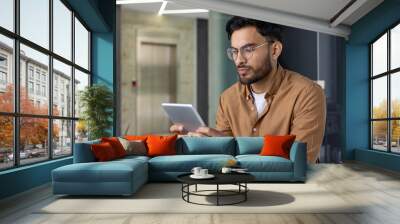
156, 85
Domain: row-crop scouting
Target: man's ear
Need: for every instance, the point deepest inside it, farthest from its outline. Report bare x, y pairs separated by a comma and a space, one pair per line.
276, 49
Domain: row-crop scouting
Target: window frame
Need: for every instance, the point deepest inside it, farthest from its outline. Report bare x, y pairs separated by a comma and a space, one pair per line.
388, 74
16, 114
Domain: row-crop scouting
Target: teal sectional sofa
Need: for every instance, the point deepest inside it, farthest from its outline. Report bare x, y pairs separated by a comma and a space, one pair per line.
125, 176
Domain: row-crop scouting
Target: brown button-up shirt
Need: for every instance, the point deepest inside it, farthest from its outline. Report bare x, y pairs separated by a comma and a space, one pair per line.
295, 105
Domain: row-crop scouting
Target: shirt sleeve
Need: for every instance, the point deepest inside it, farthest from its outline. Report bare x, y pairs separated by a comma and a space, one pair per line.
222, 122
308, 122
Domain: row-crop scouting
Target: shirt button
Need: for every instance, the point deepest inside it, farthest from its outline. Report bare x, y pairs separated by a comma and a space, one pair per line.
254, 129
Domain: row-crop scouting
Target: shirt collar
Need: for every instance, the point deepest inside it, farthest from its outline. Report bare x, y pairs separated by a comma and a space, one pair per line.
273, 83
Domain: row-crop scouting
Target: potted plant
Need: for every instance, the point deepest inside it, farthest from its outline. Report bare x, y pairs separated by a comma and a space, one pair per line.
96, 102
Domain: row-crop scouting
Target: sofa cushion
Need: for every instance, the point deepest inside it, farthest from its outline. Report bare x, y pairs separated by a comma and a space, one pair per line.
249, 145
161, 145
185, 163
206, 145
134, 147
116, 145
136, 137
275, 145
103, 152
257, 163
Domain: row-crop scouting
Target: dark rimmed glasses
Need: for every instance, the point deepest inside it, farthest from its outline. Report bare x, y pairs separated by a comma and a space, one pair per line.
246, 51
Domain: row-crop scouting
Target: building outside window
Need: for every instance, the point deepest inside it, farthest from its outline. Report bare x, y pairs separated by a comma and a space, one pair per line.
3, 61
30, 72
43, 78
30, 87
55, 96
37, 75
38, 89
43, 90
3, 77
3, 72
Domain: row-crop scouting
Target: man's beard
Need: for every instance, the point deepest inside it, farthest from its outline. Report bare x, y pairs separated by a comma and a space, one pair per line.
257, 75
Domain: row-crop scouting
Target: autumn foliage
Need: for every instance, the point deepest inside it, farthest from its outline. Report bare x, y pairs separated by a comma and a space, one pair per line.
380, 127
33, 131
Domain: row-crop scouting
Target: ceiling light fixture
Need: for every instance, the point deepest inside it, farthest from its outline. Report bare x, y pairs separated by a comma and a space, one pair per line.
162, 8
178, 11
122, 2
181, 11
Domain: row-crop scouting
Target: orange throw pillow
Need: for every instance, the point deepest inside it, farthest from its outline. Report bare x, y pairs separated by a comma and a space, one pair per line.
161, 145
103, 152
277, 145
116, 145
135, 137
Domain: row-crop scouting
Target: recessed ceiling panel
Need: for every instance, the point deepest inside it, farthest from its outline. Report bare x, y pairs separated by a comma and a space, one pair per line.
319, 9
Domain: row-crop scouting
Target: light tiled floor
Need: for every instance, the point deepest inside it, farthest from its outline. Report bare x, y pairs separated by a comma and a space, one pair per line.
351, 181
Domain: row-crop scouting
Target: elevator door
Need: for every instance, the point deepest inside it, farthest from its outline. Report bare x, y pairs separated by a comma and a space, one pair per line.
156, 85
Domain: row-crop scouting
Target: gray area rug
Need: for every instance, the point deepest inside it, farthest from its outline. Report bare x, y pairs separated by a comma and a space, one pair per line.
166, 198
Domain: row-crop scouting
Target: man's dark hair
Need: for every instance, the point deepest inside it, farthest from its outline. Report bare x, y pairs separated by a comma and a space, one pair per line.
270, 31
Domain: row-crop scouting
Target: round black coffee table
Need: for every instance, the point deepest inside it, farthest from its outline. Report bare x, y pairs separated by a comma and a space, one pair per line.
238, 179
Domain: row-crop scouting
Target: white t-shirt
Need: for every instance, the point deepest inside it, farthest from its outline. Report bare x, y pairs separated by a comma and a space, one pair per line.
259, 101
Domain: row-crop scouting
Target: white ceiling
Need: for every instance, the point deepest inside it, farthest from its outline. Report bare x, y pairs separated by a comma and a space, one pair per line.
319, 9
313, 15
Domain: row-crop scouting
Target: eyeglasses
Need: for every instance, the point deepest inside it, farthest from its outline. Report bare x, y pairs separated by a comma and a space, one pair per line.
245, 51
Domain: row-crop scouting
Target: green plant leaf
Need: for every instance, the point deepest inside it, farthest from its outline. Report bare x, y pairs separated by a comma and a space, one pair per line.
97, 106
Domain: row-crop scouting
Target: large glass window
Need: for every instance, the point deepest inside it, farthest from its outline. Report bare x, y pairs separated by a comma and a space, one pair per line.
395, 47
62, 29
81, 45
35, 21
40, 62
81, 81
33, 141
7, 14
385, 94
6, 74
62, 80
6, 142
40, 124
379, 56
62, 137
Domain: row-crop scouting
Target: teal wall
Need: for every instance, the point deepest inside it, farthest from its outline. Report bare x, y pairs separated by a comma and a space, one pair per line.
24, 178
91, 12
99, 16
221, 71
380, 159
357, 99
102, 58
357, 85
103, 52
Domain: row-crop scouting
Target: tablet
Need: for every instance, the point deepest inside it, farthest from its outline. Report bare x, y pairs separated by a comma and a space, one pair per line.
184, 114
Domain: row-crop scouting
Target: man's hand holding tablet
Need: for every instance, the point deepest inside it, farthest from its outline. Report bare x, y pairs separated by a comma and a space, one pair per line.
199, 132
187, 121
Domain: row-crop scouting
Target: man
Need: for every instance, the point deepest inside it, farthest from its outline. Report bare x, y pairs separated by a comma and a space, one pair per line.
268, 99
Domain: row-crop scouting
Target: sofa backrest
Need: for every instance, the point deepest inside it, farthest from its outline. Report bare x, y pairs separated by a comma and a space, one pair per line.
83, 153
205, 145
249, 145
192, 146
